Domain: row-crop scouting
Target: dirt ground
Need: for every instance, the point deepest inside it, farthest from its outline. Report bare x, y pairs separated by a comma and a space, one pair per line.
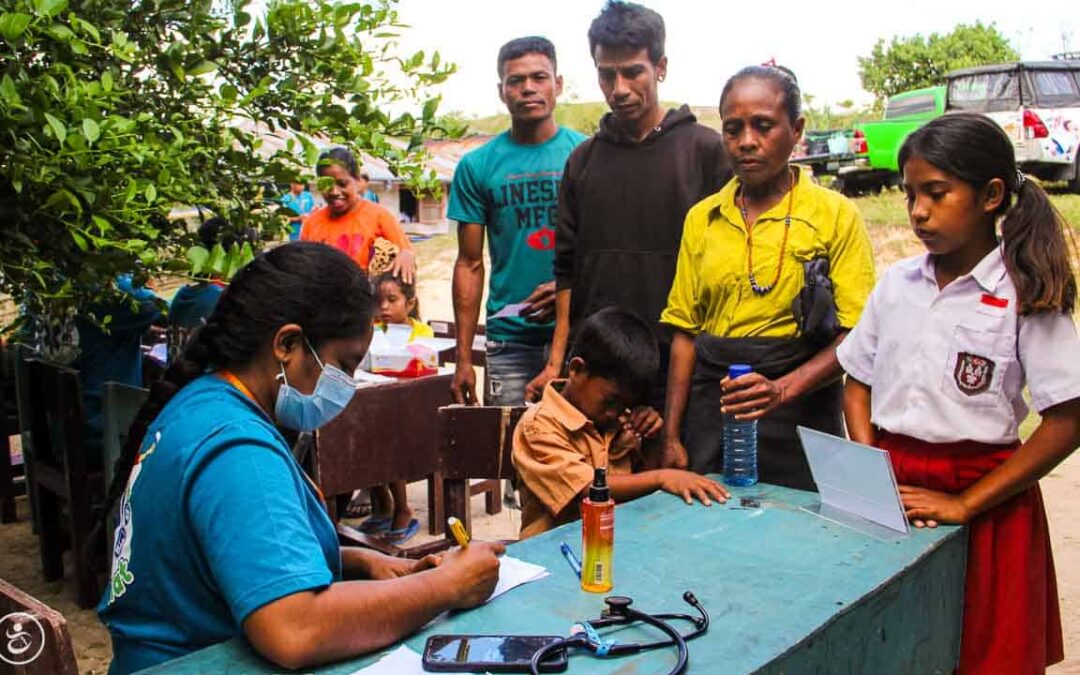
20, 564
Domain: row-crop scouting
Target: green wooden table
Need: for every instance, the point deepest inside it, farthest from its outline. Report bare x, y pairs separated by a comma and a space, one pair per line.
787, 591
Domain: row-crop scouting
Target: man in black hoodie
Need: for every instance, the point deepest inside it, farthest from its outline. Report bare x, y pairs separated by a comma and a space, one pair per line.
626, 191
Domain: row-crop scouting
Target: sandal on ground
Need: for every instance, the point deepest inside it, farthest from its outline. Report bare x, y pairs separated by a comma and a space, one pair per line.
376, 524
404, 534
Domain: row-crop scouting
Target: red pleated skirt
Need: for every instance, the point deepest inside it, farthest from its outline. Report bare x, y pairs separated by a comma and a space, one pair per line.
1012, 623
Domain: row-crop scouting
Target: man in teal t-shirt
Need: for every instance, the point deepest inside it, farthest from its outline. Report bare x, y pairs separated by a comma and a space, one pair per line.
509, 189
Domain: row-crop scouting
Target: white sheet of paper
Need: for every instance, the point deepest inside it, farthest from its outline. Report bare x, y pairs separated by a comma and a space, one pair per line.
401, 661
513, 309
514, 572
855, 479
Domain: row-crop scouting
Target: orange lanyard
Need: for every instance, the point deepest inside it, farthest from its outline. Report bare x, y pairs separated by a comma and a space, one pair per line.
232, 379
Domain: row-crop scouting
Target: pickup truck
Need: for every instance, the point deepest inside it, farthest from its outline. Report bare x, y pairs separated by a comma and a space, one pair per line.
864, 159
878, 143
1037, 103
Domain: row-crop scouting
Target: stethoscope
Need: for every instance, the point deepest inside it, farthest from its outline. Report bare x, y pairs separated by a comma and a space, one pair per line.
619, 613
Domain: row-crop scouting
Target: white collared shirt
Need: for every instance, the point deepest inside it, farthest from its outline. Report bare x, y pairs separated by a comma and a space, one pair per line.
951, 364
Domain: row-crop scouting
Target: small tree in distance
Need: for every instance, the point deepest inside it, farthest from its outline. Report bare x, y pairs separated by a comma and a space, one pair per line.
914, 62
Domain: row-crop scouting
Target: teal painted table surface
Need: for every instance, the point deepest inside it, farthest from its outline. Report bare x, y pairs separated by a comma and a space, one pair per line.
787, 591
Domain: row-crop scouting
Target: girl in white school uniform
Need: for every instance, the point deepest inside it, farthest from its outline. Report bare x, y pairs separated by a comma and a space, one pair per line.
937, 364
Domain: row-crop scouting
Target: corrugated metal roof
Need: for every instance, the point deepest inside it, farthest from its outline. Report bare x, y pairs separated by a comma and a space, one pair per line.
444, 155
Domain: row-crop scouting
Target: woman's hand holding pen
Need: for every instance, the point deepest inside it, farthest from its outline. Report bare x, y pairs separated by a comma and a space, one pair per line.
472, 572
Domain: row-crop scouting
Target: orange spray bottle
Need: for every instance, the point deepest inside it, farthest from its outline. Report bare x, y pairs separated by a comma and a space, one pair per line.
597, 535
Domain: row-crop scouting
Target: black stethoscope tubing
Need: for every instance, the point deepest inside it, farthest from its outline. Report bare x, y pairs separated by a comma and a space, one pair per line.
619, 612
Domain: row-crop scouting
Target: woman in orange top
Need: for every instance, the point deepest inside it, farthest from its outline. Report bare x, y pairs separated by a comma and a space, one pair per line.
350, 222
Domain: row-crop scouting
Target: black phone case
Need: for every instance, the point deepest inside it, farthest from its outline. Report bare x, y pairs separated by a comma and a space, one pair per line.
556, 663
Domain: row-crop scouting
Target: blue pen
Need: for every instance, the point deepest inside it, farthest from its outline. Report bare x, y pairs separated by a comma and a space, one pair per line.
568, 553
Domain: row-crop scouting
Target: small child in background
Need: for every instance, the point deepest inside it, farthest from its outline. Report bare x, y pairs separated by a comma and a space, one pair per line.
591, 420
936, 370
395, 303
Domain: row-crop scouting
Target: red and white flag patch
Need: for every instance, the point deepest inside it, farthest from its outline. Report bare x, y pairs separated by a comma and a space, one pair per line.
994, 301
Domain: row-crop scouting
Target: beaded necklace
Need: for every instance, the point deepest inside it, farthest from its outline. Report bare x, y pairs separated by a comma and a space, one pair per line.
741, 198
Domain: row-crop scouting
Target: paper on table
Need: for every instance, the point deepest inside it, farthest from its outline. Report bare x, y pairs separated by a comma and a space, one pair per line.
514, 573
401, 661
513, 309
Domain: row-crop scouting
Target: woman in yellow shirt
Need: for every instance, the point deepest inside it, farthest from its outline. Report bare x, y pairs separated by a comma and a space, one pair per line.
769, 237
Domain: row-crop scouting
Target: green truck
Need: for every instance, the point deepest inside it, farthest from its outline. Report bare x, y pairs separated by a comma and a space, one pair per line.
878, 143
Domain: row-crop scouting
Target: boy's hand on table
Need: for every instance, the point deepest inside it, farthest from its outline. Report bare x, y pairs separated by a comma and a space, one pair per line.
690, 486
473, 572
927, 508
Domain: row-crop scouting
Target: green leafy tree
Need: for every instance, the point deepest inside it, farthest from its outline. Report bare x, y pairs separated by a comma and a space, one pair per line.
913, 62
112, 114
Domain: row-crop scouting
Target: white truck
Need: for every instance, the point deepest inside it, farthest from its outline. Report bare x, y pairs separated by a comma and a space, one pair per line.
1037, 103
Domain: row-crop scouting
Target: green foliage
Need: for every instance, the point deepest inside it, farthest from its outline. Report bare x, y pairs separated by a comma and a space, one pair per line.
913, 62
217, 263
112, 114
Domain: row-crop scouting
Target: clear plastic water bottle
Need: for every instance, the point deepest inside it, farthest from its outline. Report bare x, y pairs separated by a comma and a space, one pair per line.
740, 442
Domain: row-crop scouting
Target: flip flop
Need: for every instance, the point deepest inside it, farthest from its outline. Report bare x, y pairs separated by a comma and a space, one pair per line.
376, 524
404, 534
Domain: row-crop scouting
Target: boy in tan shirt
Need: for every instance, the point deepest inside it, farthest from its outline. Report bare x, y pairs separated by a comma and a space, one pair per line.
590, 420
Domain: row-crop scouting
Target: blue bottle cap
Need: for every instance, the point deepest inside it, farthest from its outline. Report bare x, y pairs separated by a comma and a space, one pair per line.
738, 370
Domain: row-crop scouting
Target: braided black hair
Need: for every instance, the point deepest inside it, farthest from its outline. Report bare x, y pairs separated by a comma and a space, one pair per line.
312, 285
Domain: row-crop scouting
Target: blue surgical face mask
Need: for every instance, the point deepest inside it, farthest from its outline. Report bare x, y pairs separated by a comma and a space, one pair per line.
307, 412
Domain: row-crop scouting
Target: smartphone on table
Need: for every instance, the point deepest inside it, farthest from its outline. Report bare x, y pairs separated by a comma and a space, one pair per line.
490, 653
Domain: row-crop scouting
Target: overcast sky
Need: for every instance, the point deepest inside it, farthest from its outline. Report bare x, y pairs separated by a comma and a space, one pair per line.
708, 40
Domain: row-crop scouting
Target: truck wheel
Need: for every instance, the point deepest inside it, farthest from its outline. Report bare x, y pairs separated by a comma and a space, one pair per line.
1074, 183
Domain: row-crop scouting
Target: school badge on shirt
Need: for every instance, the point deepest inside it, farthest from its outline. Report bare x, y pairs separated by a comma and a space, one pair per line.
973, 373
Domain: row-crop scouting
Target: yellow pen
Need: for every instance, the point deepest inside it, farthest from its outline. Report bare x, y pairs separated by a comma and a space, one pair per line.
457, 528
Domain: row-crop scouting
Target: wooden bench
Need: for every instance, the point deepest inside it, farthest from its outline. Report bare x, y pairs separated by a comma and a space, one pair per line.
37, 631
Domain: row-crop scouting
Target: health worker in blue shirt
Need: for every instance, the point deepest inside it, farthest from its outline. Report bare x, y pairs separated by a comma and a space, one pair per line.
220, 534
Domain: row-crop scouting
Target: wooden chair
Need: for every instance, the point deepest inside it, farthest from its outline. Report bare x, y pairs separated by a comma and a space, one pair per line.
46, 634
120, 404
12, 472
448, 329
66, 482
491, 489
474, 442
387, 433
